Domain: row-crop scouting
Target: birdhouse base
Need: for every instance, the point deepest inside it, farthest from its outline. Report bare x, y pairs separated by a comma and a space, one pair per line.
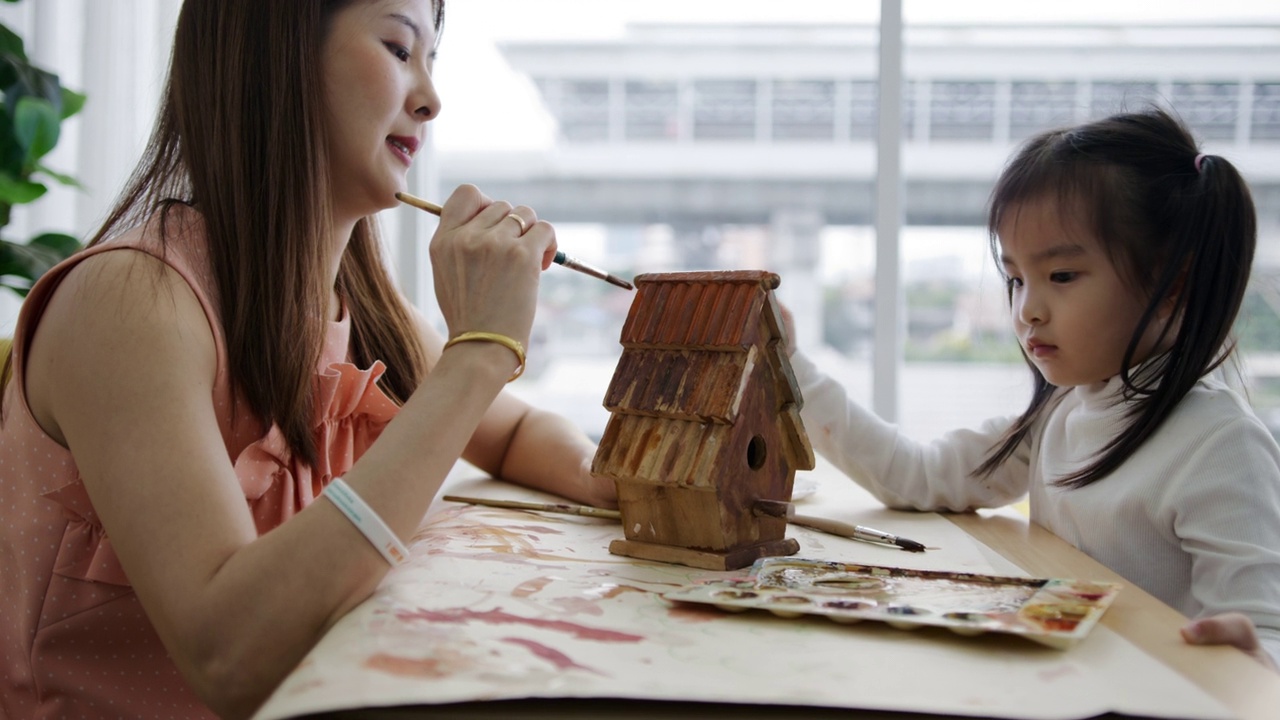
729, 560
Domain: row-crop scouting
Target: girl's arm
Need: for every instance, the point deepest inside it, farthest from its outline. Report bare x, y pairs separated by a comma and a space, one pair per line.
900, 472
518, 442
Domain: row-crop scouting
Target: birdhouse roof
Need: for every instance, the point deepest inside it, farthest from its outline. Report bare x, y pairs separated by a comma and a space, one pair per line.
691, 343
702, 310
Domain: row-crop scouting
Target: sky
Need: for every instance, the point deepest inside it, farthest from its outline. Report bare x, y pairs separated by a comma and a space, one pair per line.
489, 106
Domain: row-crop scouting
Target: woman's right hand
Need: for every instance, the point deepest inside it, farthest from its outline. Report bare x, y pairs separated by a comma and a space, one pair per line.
487, 266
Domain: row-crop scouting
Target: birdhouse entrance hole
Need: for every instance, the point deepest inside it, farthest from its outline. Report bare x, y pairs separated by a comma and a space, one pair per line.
756, 453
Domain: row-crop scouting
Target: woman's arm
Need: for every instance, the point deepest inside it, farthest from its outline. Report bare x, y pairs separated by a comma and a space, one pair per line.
521, 443
122, 370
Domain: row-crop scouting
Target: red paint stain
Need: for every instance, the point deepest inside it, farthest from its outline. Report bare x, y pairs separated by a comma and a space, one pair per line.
551, 655
1057, 673
405, 667
498, 617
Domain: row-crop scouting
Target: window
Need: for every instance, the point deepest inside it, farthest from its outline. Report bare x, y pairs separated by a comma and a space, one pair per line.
652, 110
804, 109
724, 109
1113, 97
1210, 109
1265, 122
862, 109
962, 111
1037, 106
580, 106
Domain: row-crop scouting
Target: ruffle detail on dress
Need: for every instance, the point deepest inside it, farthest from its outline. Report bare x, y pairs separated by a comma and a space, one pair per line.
86, 552
350, 413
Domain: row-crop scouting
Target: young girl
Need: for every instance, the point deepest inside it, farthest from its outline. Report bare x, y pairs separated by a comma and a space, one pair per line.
1126, 253
229, 349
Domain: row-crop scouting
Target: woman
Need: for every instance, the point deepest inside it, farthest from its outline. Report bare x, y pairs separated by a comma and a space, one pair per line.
229, 347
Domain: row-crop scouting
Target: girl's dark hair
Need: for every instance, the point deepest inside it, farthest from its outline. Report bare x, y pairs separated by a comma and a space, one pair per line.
1179, 226
241, 136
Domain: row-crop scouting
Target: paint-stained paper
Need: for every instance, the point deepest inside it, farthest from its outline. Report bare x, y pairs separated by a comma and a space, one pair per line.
504, 604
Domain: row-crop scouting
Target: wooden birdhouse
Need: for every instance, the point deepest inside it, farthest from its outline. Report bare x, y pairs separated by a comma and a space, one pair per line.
704, 421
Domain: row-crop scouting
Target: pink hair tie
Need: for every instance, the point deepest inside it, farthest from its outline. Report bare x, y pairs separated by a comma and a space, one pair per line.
1199, 159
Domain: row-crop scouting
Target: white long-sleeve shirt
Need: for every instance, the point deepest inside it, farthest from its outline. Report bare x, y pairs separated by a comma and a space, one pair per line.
1192, 517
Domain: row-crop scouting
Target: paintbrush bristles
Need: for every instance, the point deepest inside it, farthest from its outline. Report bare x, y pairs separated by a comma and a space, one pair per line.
419, 203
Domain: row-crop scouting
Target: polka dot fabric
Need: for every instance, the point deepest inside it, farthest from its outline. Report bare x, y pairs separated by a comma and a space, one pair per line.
74, 641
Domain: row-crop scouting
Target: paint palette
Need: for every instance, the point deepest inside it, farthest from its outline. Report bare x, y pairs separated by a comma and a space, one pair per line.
1054, 612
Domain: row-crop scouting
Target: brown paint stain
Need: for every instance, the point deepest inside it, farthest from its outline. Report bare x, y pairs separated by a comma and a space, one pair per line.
406, 667
689, 612
531, 587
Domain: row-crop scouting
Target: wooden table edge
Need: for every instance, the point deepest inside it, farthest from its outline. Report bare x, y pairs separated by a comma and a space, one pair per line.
1239, 682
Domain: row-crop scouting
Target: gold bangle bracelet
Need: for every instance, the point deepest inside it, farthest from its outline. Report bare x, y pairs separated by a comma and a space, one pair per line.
510, 343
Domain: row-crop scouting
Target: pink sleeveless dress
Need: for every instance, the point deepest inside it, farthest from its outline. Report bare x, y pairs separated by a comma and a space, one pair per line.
74, 640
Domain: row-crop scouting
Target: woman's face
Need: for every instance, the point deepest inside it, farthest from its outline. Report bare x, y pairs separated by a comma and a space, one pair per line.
378, 91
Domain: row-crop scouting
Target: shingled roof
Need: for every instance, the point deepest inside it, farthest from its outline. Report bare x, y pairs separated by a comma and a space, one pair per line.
690, 344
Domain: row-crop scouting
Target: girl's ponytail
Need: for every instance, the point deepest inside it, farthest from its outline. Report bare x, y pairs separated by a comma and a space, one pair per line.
1178, 223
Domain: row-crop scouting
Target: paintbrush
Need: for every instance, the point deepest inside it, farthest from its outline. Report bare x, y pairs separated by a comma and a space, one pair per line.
787, 511
770, 508
560, 258
562, 508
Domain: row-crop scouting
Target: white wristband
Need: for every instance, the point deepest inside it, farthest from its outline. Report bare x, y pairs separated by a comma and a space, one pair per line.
367, 522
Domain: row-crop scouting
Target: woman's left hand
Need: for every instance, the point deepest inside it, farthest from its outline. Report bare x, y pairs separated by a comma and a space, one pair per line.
592, 490
1232, 629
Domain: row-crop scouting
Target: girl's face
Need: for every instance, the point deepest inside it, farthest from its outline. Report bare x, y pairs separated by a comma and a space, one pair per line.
378, 91
1073, 312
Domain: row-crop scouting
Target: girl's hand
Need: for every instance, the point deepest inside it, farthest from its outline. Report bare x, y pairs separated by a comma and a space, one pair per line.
1232, 629
487, 266
789, 327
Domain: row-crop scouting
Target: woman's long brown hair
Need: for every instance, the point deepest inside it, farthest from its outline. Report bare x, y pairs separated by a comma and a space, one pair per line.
241, 137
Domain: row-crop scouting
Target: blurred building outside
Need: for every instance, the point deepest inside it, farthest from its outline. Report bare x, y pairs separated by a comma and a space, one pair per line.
717, 145
682, 147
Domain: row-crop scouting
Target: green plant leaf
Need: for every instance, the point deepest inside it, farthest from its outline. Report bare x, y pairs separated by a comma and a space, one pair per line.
60, 244
31, 81
26, 261
72, 102
35, 121
11, 44
60, 177
10, 154
17, 192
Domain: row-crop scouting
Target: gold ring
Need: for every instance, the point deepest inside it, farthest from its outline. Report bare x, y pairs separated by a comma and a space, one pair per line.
519, 221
